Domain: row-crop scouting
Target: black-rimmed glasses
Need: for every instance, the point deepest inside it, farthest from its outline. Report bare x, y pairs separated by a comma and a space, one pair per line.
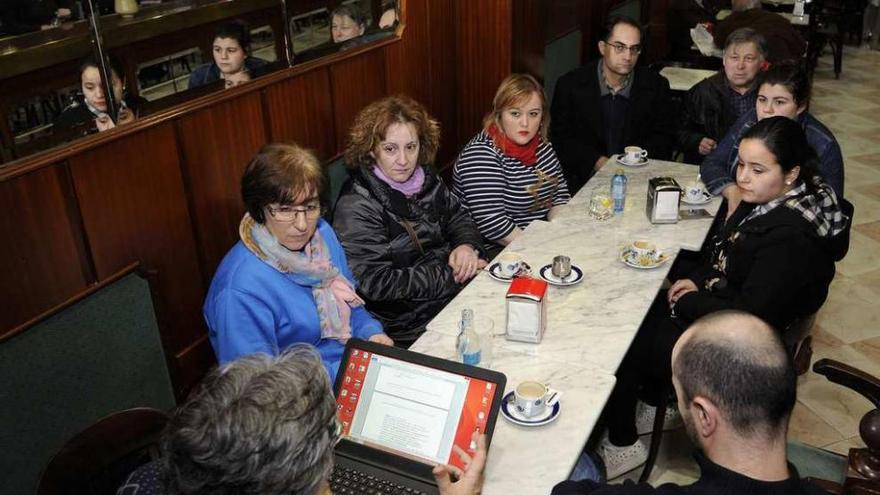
289, 213
620, 47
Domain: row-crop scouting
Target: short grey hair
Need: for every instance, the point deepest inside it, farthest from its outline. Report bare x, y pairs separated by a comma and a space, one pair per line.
748, 35
258, 425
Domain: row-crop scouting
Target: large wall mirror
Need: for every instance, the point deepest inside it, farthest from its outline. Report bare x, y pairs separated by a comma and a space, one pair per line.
158, 53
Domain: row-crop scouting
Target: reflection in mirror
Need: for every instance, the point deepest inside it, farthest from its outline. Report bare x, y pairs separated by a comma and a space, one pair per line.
390, 14
88, 110
318, 32
44, 95
234, 59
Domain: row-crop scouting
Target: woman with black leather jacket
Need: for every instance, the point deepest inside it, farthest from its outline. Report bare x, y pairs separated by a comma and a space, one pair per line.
410, 244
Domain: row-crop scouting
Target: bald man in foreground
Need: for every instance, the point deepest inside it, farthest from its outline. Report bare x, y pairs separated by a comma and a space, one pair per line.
736, 388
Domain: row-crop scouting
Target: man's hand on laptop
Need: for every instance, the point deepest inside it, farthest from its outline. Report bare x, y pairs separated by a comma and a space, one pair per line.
453, 481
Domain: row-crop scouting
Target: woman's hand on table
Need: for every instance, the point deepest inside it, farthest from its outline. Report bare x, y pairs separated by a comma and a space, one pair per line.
381, 338
680, 288
469, 481
465, 263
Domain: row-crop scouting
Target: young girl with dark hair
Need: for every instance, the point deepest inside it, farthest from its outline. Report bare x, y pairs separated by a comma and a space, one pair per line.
773, 257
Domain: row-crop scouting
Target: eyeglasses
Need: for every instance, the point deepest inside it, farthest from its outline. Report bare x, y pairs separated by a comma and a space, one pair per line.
289, 213
620, 47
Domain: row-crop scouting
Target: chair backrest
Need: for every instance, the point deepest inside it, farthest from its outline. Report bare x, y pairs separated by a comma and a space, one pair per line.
99, 458
337, 174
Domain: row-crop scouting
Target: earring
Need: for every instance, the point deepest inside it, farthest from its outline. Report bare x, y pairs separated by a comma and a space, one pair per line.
788, 183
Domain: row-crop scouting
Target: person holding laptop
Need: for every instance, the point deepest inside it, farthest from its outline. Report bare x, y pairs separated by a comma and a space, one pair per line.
265, 425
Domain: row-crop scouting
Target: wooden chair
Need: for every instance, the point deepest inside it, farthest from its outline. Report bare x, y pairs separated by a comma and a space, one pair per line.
99, 458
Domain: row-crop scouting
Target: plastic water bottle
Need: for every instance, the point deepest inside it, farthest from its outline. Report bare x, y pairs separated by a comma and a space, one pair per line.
618, 190
468, 342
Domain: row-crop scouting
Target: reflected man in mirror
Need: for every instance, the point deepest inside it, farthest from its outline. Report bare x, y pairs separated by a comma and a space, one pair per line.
231, 51
89, 109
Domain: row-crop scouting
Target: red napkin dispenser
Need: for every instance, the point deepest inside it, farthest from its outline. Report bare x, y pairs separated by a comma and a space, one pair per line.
526, 309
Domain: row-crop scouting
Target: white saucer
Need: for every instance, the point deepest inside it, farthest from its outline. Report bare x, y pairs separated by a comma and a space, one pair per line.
706, 198
494, 271
575, 277
627, 256
641, 163
508, 410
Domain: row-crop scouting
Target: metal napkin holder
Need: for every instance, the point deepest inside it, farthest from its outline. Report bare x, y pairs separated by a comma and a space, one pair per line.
664, 197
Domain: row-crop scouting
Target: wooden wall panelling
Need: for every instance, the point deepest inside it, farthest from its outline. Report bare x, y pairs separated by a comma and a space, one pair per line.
408, 64
134, 207
654, 13
355, 82
41, 258
530, 19
483, 56
216, 144
300, 109
440, 21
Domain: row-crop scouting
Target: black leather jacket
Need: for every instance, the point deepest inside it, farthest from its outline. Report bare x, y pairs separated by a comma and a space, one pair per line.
707, 113
398, 248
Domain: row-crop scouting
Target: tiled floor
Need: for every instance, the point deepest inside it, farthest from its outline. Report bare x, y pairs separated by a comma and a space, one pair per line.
848, 326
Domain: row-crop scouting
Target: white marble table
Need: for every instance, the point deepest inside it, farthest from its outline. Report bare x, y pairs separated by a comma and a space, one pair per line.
683, 78
590, 326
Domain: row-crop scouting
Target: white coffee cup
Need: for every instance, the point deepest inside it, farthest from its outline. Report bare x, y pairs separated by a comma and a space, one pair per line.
633, 154
509, 263
694, 192
644, 248
533, 398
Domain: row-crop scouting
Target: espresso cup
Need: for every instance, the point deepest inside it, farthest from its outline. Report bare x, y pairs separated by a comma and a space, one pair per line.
561, 267
644, 248
694, 192
632, 154
509, 264
533, 398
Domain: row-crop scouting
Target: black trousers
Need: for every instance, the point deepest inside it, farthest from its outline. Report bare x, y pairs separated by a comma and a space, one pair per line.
646, 371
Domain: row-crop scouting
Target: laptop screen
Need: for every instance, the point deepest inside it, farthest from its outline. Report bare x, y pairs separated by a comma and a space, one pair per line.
409, 409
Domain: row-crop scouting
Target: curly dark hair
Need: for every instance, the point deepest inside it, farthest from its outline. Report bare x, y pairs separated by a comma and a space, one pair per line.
370, 125
258, 425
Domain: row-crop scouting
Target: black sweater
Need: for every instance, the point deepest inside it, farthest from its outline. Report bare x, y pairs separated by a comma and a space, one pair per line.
714, 480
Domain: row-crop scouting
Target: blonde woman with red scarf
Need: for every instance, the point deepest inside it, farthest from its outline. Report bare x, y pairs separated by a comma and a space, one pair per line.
511, 164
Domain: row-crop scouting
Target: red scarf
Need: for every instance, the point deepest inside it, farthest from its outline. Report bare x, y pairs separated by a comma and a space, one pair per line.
526, 153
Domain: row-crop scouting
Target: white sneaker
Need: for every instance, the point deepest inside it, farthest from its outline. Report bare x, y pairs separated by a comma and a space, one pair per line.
645, 418
621, 460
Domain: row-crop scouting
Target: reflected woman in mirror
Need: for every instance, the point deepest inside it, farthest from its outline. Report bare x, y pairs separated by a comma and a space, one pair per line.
232, 56
89, 109
347, 22
410, 244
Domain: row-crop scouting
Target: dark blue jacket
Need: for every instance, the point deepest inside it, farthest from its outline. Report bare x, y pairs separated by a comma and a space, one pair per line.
719, 168
209, 73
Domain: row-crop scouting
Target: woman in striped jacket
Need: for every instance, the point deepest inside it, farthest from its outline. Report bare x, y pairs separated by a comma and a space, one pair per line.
508, 175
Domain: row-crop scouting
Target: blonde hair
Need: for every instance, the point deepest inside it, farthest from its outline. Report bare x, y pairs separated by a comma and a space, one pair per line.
514, 90
371, 124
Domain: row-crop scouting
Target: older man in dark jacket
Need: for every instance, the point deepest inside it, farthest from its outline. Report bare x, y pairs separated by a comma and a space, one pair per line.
600, 108
783, 40
714, 104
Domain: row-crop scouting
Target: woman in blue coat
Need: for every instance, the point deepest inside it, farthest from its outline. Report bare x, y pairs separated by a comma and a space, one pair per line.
287, 279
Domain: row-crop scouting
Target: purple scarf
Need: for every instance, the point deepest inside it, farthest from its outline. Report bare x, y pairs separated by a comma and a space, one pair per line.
409, 188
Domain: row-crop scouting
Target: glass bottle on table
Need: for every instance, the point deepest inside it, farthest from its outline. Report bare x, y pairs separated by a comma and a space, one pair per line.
468, 342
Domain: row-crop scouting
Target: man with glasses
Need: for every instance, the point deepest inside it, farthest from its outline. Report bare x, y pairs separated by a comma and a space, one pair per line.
608, 104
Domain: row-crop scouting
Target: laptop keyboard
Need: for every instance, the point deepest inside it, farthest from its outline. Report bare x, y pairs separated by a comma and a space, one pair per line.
345, 480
